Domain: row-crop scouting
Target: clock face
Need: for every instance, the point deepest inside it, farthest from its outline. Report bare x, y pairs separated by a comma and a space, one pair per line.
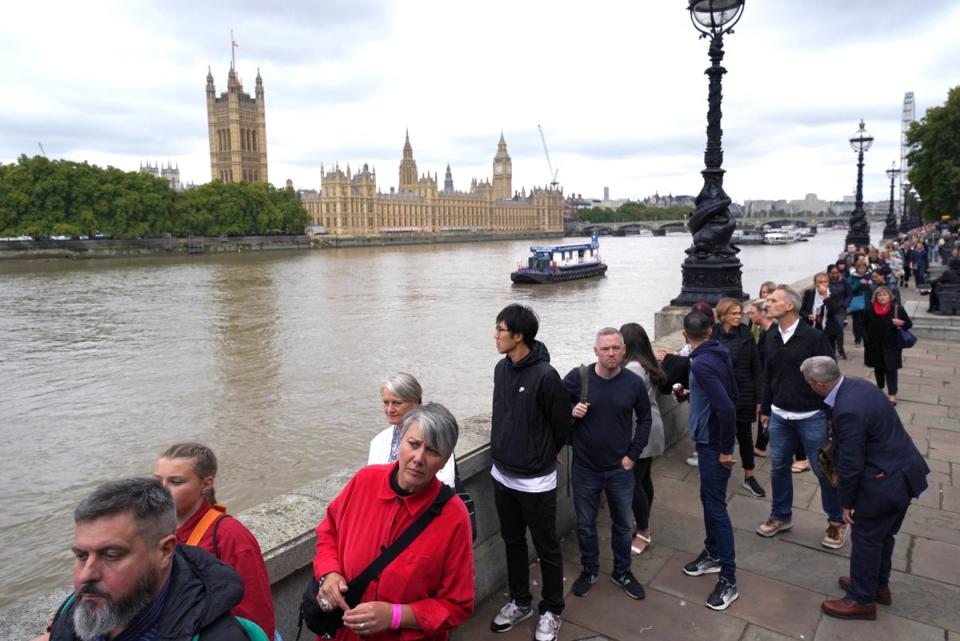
498, 169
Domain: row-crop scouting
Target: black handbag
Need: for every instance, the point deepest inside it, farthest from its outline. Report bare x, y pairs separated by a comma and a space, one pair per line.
326, 624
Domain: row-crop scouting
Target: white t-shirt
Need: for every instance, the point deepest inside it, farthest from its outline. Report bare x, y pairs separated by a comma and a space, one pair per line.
380, 453
533, 485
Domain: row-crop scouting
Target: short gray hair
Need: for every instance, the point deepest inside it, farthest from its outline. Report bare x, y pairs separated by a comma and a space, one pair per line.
150, 504
437, 426
792, 296
820, 369
609, 331
404, 386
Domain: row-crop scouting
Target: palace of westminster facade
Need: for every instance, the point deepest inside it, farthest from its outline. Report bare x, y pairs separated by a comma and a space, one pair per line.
349, 204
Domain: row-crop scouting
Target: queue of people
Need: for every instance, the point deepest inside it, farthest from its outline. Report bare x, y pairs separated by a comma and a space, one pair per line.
159, 558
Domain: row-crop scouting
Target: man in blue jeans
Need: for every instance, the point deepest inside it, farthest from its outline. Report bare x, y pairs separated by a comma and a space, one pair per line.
605, 448
794, 414
713, 427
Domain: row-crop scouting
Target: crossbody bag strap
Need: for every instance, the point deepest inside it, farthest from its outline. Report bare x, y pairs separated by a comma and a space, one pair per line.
584, 382
406, 538
208, 519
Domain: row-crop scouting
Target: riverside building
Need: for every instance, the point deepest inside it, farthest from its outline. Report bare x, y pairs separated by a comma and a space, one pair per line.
237, 131
349, 204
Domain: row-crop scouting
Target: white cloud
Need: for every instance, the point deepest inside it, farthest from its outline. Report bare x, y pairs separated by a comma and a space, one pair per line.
618, 87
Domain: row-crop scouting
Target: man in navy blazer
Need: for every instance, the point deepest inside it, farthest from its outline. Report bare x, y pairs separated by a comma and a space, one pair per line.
880, 472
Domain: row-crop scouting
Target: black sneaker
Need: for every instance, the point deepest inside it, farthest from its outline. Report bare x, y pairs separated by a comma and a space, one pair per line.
510, 615
723, 595
703, 564
754, 487
630, 585
581, 587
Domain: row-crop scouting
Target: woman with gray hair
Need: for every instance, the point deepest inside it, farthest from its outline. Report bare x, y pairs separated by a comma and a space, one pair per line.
401, 394
427, 590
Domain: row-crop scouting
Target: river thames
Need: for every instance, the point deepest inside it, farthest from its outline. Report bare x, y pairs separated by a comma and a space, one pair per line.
274, 360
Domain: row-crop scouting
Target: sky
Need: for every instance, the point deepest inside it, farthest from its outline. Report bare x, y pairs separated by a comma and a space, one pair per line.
617, 86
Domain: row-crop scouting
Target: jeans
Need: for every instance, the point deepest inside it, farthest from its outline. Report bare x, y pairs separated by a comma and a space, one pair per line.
716, 521
785, 434
587, 486
518, 511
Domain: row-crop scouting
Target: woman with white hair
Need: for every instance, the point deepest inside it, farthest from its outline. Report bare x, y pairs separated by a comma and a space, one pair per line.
401, 394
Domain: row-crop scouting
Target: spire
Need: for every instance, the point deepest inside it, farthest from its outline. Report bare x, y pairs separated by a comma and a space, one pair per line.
448, 181
502, 141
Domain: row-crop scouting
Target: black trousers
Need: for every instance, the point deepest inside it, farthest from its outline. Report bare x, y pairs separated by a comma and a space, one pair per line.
870, 558
888, 377
642, 493
745, 441
517, 512
857, 318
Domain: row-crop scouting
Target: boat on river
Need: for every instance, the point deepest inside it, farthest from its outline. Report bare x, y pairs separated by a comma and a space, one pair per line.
747, 237
779, 237
559, 263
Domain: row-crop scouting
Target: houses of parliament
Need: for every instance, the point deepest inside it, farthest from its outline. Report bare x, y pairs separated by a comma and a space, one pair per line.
349, 203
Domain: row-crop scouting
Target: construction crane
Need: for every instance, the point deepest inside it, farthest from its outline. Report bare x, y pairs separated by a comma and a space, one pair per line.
553, 172
41, 150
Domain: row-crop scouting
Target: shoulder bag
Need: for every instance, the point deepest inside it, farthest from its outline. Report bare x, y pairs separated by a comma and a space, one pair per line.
905, 338
326, 624
826, 458
857, 304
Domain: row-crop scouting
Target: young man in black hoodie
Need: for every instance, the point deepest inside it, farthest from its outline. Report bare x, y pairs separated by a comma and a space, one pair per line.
531, 422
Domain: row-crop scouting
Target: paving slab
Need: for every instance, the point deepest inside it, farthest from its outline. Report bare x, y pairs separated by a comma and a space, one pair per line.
659, 617
944, 452
936, 560
887, 627
907, 408
756, 633
931, 523
949, 498
765, 602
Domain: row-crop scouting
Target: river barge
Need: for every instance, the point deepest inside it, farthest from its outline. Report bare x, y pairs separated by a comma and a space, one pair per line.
559, 263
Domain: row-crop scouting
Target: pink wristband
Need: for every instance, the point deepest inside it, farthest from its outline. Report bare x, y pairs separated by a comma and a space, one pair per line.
397, 615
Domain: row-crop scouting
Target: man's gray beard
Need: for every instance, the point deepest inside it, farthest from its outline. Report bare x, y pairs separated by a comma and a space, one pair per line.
91, 620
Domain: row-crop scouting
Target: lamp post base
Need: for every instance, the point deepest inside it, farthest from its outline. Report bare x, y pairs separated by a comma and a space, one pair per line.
860, 239
709, 280
890, 231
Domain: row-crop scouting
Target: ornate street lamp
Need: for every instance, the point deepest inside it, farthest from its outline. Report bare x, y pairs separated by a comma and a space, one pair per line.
859, 229
890, 229
904, 212
712, 270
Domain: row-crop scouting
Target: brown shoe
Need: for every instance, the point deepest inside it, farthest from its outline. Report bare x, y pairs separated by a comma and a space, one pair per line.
849, 609
773, 526
835, 536
883, 595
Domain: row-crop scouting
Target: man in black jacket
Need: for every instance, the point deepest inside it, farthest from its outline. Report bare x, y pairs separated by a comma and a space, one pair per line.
531, 422
130, 577
794, 414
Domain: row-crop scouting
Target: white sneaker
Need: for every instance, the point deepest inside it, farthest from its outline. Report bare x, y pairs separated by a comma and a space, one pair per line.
693, 461
548, 627
510, 615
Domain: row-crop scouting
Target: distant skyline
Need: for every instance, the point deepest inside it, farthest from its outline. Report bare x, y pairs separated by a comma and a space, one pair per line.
617, 86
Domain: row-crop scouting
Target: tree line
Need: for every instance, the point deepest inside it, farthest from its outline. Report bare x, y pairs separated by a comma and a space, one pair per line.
631, 211
41, 197
935, 159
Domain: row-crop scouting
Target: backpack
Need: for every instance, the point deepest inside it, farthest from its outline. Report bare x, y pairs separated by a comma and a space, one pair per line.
466, 498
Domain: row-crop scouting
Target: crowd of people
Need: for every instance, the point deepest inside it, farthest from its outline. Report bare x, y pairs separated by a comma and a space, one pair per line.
158, 558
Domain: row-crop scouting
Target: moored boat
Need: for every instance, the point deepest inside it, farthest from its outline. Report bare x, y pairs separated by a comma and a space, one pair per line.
748, 237
558, 263
779, 237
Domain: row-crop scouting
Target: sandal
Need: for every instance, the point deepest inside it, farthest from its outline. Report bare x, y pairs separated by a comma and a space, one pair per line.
800, 467
645, 541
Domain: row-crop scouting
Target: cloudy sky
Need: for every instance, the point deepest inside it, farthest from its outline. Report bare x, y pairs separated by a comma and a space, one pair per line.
617, 86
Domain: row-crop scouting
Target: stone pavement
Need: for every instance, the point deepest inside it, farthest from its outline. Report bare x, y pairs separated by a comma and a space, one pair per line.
783, 580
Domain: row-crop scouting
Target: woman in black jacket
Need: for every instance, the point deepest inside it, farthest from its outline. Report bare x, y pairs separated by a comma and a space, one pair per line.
882, 320
746, 368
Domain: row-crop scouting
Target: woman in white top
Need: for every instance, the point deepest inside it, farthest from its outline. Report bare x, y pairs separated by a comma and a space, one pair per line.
401, 394
639, 359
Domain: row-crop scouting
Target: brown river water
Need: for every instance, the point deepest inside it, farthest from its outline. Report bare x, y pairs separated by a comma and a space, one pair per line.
274, 360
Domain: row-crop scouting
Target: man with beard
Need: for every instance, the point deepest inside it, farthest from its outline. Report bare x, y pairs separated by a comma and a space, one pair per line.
132, 582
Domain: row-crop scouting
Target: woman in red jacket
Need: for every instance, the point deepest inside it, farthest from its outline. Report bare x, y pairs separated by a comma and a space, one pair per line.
427, 590
188, 470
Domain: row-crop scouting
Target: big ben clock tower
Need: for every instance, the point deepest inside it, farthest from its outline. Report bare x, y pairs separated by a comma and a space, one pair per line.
502, 172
